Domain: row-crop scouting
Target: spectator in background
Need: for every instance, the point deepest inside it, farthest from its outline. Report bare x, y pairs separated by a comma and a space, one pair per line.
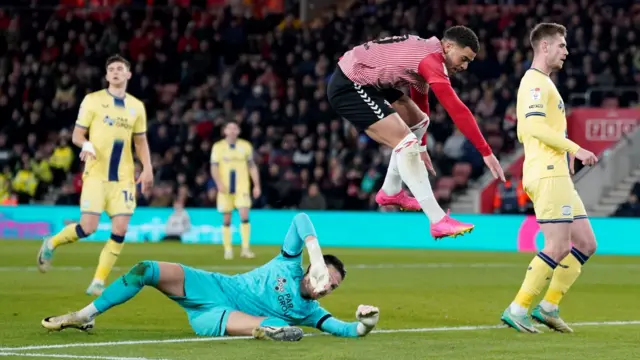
510, 197
61, 159
631, 208
43, 173
25, 182
178, 223
313, 200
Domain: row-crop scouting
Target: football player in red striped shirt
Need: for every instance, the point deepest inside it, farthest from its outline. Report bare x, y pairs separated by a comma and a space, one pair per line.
365, 90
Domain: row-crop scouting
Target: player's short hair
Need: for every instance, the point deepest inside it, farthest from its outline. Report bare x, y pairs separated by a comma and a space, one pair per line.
463, 36
546, 30
230, 122
336, 263
117, 58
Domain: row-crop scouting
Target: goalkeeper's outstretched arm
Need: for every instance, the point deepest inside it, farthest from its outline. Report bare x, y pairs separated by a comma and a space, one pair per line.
300, 232
367, 316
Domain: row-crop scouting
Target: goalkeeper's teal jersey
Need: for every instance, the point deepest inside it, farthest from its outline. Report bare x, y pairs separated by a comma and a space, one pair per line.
273, 290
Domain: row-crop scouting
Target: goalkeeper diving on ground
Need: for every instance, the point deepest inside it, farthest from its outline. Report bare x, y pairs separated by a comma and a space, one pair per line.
268, 302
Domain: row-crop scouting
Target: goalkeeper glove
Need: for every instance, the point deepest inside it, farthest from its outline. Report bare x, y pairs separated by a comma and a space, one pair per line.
368, 317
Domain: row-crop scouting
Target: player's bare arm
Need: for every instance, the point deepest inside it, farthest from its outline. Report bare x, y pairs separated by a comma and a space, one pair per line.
215, 174
255, 179
142, 150
79, 138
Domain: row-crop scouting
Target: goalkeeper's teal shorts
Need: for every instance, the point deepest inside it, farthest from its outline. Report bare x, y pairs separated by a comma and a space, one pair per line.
207, 306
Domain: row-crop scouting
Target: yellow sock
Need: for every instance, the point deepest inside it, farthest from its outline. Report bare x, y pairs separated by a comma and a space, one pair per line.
538, 275
245, 233
108, 258
226, 237
70, 234
564, 276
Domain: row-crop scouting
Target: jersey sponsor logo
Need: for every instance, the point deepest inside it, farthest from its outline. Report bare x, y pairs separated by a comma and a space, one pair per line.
85, 204
119, 122
566, 210
535, 94
280, 284
286, 302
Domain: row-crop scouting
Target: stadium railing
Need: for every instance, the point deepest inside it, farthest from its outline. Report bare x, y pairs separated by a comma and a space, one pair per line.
587, 96
615, 164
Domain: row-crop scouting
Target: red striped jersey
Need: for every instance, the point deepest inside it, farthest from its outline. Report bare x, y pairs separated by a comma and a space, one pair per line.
397, 61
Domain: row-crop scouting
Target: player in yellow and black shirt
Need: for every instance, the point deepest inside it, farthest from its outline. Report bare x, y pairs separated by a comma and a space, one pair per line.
113, 121
233, 169
542, 129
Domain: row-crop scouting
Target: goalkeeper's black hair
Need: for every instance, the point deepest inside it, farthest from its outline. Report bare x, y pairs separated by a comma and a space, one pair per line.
335, 262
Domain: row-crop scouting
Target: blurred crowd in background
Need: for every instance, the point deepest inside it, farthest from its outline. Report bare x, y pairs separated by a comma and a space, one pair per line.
199, 65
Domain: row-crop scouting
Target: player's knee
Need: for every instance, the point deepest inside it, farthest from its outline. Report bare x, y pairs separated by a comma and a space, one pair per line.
86, 228
89, 223
558, 250
407, 145
117, 238
226, 219
588, 247
146, 272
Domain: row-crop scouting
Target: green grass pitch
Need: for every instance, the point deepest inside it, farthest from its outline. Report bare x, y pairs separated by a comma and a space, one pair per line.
434, 305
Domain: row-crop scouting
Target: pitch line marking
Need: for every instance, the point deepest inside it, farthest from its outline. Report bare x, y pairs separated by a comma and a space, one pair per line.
354, 266
232, 338
67, 356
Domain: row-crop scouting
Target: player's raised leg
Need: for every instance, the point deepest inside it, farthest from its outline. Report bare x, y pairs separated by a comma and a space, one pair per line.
418, 121
568, 271
391, 192
552, 199
393, 132
91, 207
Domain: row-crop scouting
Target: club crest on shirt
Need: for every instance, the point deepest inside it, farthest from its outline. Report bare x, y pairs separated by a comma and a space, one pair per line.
280, 284
535, 94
